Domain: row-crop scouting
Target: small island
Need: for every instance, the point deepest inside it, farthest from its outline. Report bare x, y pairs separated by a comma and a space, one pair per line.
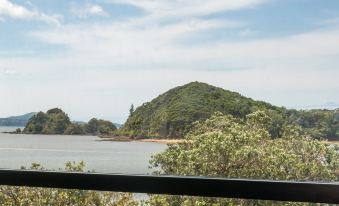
56, 122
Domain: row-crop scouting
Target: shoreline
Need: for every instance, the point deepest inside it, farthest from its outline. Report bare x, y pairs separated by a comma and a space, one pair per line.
129, 139
163, 141
87, 135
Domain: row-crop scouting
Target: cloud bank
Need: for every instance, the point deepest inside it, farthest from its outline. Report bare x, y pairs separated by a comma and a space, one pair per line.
15, 11
106, 66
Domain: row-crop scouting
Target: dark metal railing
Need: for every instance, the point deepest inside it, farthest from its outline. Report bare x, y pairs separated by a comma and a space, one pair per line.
315, 192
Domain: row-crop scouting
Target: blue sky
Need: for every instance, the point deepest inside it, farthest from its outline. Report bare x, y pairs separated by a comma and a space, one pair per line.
95, 58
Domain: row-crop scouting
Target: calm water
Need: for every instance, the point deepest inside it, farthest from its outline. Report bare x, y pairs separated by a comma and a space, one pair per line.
52, 151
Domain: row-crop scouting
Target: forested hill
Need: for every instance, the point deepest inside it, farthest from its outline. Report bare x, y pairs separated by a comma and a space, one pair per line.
172, 113
18, 121
56, 121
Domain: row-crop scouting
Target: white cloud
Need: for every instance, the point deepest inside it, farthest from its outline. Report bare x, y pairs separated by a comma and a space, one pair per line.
130, 33
88, 10
133, 45
111, 65
189, 7
9, 9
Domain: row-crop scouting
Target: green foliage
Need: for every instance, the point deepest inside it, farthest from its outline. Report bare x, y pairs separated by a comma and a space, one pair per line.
25, 196
226, 146
55, 121
55, 111
36, 124
99, 126
75, 129
172, 113
131, 110
58, 121
318, 123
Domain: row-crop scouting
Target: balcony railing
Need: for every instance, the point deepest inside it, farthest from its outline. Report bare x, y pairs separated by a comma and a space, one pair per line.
315, 192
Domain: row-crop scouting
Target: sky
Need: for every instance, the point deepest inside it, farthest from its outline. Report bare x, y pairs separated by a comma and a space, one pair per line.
96, 58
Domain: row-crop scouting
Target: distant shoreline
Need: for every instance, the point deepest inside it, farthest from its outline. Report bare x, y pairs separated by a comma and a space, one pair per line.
129, 139
103, 138
92, 135
113, 139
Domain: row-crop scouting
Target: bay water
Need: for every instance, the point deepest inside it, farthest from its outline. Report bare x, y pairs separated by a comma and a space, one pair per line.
53, 151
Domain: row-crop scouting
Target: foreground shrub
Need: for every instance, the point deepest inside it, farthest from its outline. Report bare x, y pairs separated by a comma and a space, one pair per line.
224, 146
27, 196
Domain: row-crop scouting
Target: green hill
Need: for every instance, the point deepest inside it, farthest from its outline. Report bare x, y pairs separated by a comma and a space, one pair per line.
171, 114
18, 121
56, 121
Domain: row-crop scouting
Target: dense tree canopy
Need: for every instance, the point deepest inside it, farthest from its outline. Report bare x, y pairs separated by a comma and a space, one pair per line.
28, 196
231, 147
75, 129
171, 114
99, 126
55, 121
318, 123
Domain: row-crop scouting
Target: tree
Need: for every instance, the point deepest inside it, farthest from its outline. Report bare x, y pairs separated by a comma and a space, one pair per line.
225, 146
57, 123
106, 127
92, 126
319, 123
74, 129
99, 126
54, 121
131, 110
54, 111
25, 196
36, 124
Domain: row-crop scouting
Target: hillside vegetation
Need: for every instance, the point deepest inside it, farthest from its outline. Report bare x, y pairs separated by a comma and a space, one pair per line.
56, 121
171, 114
224, 146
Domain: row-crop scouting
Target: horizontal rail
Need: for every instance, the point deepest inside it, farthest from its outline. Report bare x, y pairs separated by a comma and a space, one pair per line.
177, 185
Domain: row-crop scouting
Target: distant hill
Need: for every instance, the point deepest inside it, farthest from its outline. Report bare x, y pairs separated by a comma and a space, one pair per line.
171, 114
19, 121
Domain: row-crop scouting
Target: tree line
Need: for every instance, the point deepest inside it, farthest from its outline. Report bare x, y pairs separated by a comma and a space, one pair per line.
56, 121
